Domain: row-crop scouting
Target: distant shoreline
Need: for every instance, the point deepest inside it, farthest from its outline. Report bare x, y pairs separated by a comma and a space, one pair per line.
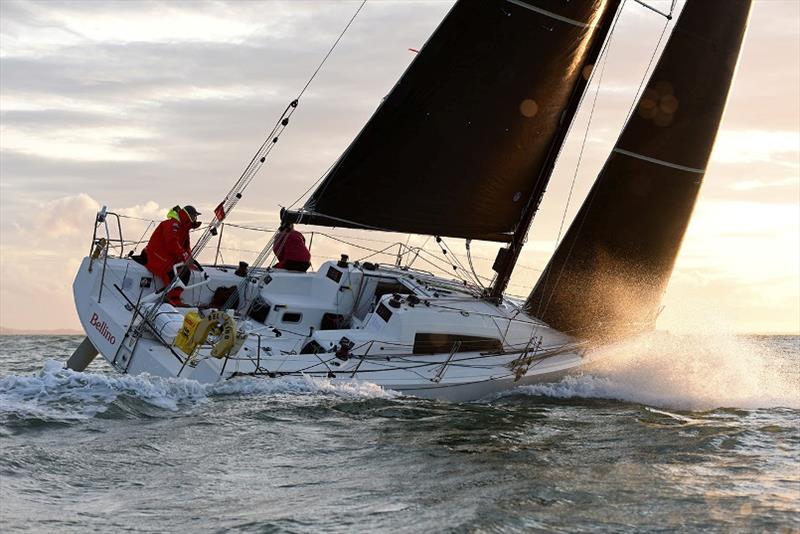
56, 332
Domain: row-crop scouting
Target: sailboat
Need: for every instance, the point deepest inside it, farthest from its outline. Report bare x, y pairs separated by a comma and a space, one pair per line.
462, 147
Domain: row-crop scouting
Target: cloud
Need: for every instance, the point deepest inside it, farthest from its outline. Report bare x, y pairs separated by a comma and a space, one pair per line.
40, 256
62, 217
751, 185
112, 143
748, 146
31, 28
119, 117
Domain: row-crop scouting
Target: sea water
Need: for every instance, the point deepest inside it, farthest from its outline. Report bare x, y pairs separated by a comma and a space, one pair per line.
668, 432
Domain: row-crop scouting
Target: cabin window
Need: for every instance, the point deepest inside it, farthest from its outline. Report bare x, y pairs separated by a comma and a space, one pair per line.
372, 290
292, 317
387, 287
438, 343
312, 347
334, 274
384, 312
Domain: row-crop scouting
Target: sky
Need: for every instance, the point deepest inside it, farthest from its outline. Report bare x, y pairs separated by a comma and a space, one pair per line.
141, 105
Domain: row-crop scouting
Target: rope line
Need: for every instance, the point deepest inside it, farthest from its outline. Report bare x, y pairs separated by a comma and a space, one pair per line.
331, 49
647, 69
583, 147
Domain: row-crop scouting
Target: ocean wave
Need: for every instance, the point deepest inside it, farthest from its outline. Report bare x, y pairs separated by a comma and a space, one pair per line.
57, 394
686, 372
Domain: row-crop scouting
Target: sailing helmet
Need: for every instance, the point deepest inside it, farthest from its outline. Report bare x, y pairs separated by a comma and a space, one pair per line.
193, 213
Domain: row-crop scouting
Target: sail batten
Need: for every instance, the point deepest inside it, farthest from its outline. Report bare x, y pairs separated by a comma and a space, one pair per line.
547, 13
457, 147
609, 273
658, 161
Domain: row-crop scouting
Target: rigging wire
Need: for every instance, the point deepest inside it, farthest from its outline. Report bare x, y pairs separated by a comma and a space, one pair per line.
467, 244
318, 180
331, 49
668, 16
647, 70
456, 265
418, 249
312, 186
144, 219
583, 145
434, 259
141, 238
604, 52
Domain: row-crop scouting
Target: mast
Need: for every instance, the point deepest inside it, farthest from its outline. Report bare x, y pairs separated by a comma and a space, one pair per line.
507, 257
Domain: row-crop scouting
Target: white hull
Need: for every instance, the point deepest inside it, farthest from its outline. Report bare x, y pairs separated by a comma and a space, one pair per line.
414, 339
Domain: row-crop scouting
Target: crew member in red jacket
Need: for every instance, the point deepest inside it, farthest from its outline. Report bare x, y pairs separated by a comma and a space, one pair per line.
290, 249
169, 245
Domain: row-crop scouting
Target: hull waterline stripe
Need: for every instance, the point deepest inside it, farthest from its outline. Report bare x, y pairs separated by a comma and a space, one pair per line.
546, 13
659, 162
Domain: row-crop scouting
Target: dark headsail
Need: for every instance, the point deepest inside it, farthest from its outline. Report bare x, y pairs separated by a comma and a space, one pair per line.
458, 146
608, 274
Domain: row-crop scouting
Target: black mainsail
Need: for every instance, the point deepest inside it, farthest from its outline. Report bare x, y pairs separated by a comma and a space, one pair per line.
464, 140
609, 273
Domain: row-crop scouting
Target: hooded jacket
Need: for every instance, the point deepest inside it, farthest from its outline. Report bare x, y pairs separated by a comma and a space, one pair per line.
169, 243
290, 245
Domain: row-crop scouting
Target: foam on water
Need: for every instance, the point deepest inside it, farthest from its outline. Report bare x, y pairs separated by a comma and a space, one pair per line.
59, 394
303, 385
687, 372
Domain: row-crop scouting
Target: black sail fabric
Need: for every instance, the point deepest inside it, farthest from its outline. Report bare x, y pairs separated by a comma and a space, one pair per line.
457, 146
608, 275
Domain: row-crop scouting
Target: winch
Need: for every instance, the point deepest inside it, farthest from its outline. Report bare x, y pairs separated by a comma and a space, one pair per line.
196, 328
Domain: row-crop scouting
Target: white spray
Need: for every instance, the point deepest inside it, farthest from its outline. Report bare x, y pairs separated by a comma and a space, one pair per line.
695, 371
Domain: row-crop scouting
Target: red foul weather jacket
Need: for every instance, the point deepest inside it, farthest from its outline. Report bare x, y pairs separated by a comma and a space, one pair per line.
168, 245
290, 246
